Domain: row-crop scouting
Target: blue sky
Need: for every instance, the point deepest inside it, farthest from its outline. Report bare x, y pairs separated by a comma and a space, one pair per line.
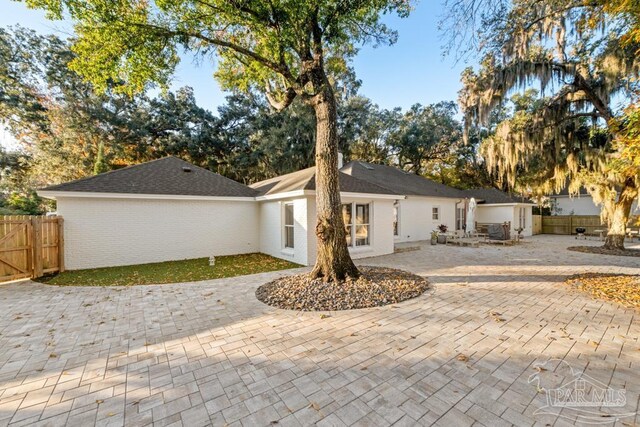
411, 71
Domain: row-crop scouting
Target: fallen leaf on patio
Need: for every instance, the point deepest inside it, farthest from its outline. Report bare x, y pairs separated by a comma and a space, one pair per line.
99, 401
540, 369
315, 406
363, 368
324, 316
53, 356
463, 358
497, 316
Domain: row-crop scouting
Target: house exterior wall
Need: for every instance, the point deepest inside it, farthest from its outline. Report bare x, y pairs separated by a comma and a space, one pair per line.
416, 222
382, 241
506, 213
103, 232
272, 230
304, 211
580, 205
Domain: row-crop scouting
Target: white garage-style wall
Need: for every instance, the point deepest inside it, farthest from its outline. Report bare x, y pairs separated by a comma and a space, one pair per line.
581, 205
103, 232
578, 205
416, 217
495, 214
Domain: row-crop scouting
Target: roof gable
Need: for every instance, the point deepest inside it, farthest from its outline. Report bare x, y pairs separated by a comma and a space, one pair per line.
494, 196
166, 176
306, 180
399, 181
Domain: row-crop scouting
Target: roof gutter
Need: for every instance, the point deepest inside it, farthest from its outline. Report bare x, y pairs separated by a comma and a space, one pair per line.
55, 195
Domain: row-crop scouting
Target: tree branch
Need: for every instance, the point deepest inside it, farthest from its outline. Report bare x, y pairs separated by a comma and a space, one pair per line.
289, 95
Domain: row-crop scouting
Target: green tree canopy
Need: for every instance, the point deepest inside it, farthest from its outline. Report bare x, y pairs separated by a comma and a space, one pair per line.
286, 48
574, 53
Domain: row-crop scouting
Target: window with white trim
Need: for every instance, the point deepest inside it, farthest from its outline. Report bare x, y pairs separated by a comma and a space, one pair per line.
435, 213
522, 220
288, 225
460, 218
357, 227
396, 219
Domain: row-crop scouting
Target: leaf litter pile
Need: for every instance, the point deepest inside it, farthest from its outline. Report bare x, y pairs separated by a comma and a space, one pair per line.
621, 288
599, 250
377, 286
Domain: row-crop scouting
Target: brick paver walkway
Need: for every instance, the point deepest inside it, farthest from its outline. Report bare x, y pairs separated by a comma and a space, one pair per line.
209, 353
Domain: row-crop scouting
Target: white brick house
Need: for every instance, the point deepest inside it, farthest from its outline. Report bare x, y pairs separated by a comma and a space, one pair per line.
168, 209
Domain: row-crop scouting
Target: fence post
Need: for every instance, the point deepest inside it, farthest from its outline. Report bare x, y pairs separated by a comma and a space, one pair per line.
60, 244
36, 223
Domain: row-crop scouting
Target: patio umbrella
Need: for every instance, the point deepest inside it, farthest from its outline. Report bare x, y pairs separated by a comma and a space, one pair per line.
471, 216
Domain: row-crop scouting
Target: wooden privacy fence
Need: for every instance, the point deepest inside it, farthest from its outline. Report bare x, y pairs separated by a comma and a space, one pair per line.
567, 224
537, 224
30, 246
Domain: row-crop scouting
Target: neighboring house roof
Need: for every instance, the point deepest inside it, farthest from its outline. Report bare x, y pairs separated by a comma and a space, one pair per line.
565, 192
494, 196
168, 176
306, 180
399, 181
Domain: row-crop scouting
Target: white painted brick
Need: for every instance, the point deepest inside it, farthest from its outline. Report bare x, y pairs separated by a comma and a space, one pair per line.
109, 232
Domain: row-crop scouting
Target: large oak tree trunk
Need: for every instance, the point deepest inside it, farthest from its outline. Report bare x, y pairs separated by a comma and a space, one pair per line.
619, 216
333, 261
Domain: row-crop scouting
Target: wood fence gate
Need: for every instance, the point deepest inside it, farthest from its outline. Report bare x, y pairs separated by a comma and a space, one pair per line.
30, 246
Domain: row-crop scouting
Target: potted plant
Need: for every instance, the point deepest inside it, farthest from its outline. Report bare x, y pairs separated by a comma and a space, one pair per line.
442, 238
519, 231
434, 237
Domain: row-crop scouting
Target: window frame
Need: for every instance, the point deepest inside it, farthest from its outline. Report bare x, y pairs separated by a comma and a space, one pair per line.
286, 226
435, 213
522, 218
351, 235
461, 217
396, 219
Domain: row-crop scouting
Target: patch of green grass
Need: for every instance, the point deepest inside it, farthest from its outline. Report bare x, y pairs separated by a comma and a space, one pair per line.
190, 270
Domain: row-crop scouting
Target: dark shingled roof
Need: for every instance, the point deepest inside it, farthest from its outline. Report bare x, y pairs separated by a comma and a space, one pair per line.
565, 192
163, 176
494, 196
398, 181
306, 180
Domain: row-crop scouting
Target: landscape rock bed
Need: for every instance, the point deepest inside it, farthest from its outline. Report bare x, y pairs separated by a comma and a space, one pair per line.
602, 251
376, 287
